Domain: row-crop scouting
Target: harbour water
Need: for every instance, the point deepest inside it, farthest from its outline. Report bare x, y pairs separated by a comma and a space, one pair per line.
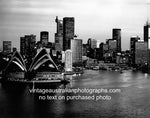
132, 101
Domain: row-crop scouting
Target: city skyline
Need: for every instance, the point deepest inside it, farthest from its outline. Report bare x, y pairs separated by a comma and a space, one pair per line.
93, 18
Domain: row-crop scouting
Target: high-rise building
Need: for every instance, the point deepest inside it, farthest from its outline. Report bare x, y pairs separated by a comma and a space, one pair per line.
23, 44
68, 32
105, 48
116, 35
76, 48
101, 50
44, 37
112, 49
112, 45
141, 53
27, 46
84, 49
59, 35
59, 23
6, 46
92, 43
68, 60
133, 40
147, 34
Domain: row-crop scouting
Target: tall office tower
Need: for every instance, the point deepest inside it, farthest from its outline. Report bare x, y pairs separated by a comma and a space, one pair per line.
44, 37
6, 47
27, 46
92, 43
141, 53
112, 45
116, 35
76, 48
101, 50
68, 60
68, 32
133, 40
23, 44
147, 33
105, 48
59, 35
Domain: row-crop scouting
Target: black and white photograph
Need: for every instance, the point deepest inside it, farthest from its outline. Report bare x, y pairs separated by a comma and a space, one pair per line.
74, 58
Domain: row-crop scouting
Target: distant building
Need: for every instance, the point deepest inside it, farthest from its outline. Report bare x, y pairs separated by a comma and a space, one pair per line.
27, 46
68, 32
141, 53
92, 43
116, 35
14, 49
6, 47
112, 45
59, 35
58, 42
63, 57
59, 26
68, 60
97, 54
76, 48
39, 45
118, 58
106, 53
147, 34
84, 49
133, 40
101, 51
23, 45
44, 37
105, 48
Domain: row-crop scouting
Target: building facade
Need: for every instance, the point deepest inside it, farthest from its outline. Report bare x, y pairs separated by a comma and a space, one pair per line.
112, 45
147, 34
59, 35
44, 37
6, 47
76, 48
133, 40
141, 53
116, 35
27, 46
68, 32
68, 60
92, 43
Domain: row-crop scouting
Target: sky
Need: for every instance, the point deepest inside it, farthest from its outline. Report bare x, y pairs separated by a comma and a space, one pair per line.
93, 18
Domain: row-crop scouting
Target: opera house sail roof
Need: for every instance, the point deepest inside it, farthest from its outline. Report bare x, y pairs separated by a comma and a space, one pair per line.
16, 64
41, 62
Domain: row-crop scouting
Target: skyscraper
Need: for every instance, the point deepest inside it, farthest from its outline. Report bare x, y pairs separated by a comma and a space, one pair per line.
59, 35
141, 53
112, 45
76, 48
27, 46
147, 34
68, 32
44, 37
133, 40
6, 46
116, 35
92, 43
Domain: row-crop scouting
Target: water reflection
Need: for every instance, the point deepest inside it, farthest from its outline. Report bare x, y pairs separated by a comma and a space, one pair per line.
131, 102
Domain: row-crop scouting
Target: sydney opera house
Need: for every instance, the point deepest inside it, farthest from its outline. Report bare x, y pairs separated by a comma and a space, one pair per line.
42, 68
